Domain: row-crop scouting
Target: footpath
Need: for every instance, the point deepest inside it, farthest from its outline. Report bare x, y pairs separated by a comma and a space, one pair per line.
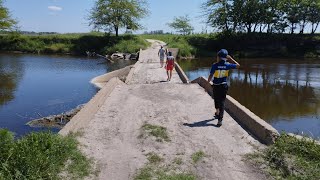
116, 135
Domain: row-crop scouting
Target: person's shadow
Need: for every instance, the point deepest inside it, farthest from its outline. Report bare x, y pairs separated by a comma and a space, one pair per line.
204, 123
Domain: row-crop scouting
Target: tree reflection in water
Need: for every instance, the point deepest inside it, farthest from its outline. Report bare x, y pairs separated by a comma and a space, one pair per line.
271, 88
11, 71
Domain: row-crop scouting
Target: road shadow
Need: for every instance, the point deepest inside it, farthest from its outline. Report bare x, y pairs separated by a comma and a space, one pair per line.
204, 123
162, 81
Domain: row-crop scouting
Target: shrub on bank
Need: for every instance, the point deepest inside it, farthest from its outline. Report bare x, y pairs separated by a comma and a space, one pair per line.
293, 158
71, 43
42, 155
127, 45
175, 41
243, 44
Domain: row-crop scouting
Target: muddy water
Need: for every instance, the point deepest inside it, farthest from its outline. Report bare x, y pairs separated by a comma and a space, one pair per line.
283, 92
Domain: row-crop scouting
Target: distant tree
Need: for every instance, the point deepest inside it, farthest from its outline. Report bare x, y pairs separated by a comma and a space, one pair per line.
314, 15
115, 14
217, 14
6, 22
291, 9
251, 14
182, 25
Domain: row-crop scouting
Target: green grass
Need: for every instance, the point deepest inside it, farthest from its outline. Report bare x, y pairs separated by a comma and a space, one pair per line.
162, 173
154, 158
242, 44
177, 161
42, 155
291, 158
159, 132
72, 43
175, 41
197, 156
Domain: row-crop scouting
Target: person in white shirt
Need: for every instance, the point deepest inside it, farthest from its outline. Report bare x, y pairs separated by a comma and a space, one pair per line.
161, 54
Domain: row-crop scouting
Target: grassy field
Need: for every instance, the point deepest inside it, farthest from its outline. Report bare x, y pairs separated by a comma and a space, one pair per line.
42, 155
76, 44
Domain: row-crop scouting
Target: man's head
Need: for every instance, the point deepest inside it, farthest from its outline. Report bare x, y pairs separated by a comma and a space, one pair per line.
170, 53
222, 54
161, 47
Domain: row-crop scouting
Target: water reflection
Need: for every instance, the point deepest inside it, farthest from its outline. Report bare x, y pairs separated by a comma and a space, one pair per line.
33, 86
277, 90
11, 72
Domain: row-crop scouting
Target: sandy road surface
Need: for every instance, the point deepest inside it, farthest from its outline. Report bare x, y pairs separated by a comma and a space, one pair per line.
186, 110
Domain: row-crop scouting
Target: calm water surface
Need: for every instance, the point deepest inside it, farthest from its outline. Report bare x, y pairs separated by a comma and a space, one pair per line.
32, 85
283, 92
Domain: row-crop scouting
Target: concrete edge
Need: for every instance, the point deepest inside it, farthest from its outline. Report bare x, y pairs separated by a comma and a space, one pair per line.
85, 115
263, 131
181, 74
131, 72
102, 80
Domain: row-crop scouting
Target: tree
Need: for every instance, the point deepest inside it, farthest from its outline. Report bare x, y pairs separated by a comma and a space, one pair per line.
291, 9
6, 22
314, 15
182, 25
251, 14
115, 14
217, 13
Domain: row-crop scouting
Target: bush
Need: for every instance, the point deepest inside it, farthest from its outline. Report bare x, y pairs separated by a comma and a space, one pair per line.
293, 158
71, 43
128, 44
42, 155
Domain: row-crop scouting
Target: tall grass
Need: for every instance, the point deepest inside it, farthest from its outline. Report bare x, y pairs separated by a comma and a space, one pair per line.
292, 158
42, 155
71, 43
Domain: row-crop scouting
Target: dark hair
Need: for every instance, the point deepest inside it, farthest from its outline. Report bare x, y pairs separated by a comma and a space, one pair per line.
170, 53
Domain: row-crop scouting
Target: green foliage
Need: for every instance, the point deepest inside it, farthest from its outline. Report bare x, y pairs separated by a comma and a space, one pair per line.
116, 14
182, 25
257, 15
42, 155
131, 45
293, 158
6, 22
72, 43
150, 172
175, 41
154, 158
159, 132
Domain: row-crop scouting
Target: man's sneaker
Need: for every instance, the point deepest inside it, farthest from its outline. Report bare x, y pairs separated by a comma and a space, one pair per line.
219, 122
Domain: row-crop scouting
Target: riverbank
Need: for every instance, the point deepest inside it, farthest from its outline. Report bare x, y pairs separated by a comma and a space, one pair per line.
42, 155
243, 45
240, 45
75, 44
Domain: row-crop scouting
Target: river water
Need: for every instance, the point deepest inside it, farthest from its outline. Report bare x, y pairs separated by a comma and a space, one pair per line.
33, 85
283, 92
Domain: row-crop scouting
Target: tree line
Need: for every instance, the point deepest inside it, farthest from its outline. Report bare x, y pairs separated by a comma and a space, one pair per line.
271, 16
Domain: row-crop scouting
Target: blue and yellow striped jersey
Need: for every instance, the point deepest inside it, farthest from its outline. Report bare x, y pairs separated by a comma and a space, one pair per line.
220, 71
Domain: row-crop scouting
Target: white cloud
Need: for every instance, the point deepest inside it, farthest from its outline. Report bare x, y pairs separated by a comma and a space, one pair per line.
55, 8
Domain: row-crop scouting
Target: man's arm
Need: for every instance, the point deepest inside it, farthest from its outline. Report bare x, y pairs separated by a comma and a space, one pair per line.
233, 61
210, 78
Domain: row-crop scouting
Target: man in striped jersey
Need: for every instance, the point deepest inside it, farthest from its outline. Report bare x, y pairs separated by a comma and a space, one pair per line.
219, 72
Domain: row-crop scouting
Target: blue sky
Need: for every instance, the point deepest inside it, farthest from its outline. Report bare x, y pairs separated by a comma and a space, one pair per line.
65, 16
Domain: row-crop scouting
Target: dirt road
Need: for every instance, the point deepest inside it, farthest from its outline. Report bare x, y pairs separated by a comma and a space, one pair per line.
122, 148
